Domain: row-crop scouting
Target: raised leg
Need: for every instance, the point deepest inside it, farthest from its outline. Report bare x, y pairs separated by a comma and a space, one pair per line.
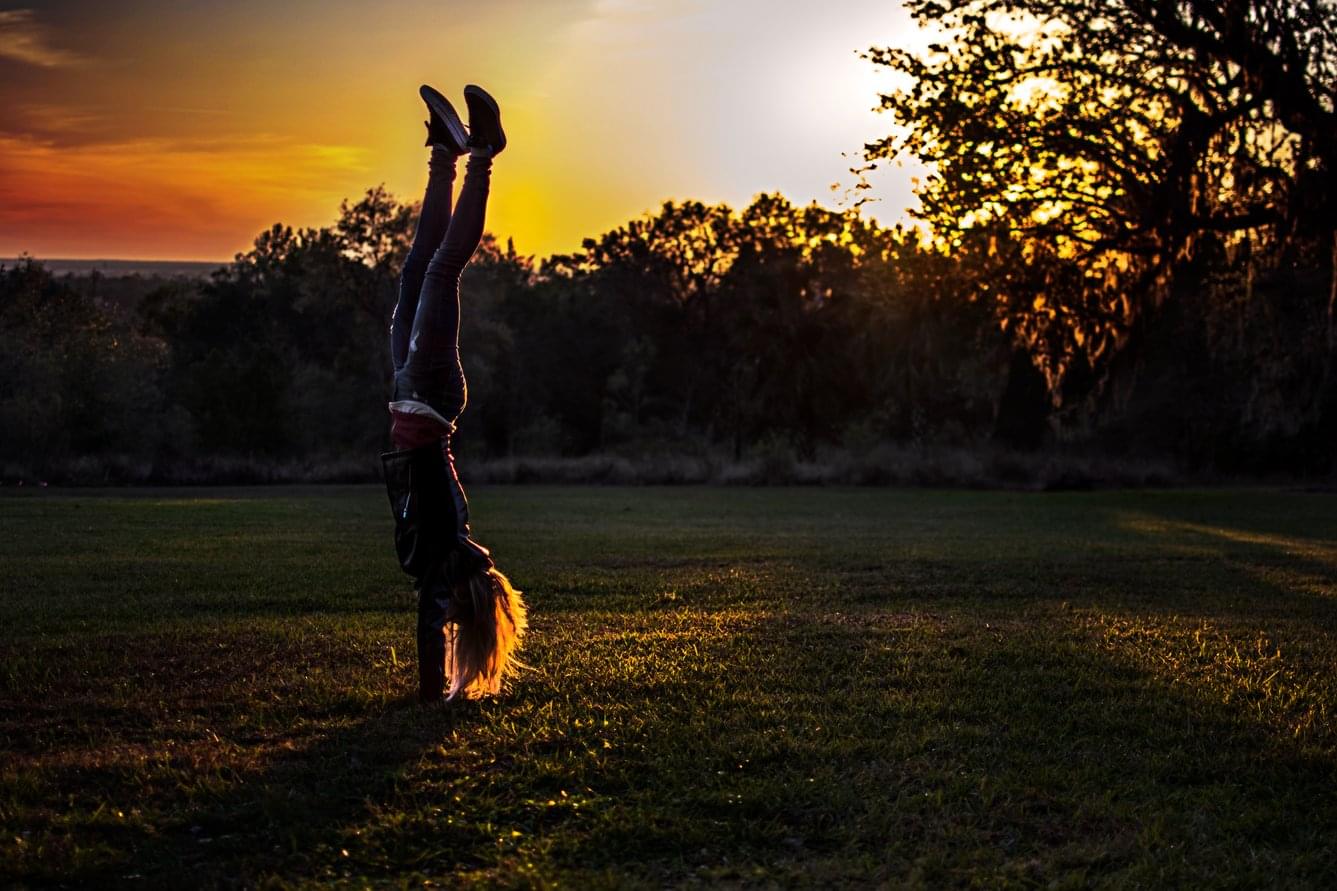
433, 222
431, 372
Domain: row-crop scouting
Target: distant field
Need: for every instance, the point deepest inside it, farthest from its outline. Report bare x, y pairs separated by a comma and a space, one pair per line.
160, 268
739, 687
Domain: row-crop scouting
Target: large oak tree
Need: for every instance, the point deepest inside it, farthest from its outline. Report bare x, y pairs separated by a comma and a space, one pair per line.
1082, 152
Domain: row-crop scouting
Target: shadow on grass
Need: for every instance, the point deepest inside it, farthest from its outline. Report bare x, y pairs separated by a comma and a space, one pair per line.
1291, 564
795, 747
190, 814
899, 746
291, 818
937, 722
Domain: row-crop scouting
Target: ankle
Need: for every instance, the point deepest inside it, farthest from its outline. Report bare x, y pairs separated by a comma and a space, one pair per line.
442, 154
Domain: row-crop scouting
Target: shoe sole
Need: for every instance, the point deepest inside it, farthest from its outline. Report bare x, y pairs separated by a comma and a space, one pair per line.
479, 92
442, 108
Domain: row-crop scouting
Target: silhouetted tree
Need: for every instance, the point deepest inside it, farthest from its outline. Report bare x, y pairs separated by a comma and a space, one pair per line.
75, 377
1083, 152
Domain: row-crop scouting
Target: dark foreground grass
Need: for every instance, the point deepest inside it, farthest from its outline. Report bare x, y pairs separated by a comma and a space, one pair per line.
729, 687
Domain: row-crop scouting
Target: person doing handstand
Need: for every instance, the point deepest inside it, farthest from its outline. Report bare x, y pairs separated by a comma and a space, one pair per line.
470, 618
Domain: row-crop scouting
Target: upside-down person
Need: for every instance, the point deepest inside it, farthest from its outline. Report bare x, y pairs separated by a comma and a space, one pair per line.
470, 619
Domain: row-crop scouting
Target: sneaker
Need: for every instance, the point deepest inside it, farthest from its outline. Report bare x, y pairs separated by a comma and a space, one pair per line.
484, 120
445, 127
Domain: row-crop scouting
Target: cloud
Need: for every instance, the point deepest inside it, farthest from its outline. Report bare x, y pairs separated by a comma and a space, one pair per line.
179, 198
23, 39
55, 123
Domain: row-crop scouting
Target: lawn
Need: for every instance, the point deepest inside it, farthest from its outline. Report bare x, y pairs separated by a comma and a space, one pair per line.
738, 687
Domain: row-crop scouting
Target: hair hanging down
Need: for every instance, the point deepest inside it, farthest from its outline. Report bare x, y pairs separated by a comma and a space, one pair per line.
481, 646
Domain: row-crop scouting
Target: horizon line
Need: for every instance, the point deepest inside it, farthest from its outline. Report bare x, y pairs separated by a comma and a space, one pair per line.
44, 259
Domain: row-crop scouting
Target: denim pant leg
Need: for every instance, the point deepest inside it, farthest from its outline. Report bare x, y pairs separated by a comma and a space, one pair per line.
433, 222
432, 372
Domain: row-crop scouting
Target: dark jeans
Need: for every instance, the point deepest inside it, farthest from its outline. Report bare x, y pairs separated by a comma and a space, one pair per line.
425, 329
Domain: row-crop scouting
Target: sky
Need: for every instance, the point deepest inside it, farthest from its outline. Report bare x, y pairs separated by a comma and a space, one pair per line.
179, 129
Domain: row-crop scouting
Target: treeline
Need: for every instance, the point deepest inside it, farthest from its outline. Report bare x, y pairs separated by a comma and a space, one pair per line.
785, 336
1126, 262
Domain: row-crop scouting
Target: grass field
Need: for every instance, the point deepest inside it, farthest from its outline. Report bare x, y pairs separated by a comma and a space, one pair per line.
811, 687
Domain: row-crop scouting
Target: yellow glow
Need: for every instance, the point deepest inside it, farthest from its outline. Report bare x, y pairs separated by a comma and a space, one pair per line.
182, 130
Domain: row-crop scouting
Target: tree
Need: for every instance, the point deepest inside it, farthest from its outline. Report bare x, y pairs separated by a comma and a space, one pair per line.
285, 351
75, 378
374, 233
1084, 150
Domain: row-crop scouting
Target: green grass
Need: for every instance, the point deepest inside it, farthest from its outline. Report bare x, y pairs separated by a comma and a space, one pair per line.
809, 687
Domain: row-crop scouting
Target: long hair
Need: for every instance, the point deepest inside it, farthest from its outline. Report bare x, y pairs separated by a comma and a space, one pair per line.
481, 646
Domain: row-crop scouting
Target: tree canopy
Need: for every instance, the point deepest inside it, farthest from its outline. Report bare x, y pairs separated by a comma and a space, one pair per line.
1088, 150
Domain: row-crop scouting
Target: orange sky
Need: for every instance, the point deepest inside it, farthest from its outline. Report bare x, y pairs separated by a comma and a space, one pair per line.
171, 130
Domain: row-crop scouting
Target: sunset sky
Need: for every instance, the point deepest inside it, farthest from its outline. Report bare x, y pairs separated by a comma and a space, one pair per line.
178, 129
